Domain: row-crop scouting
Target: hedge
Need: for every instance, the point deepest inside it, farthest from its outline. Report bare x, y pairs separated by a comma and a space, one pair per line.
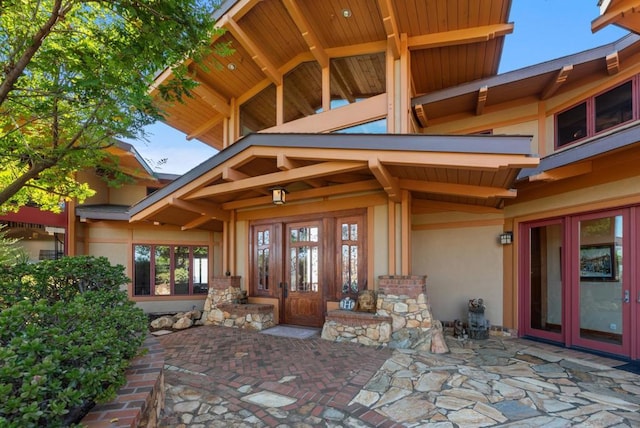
67, 333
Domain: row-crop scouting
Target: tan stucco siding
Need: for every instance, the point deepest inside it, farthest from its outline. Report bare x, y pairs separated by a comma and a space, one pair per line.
461, 263
588, 198
127, 194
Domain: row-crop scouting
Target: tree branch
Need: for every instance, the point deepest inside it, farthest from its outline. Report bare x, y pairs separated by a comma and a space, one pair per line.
14, 72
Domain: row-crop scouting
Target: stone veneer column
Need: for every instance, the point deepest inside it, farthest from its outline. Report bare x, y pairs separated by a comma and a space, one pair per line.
223, 289
404, 299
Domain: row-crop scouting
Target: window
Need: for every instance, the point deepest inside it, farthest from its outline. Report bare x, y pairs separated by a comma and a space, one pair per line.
259, 112
359, 77
350, 256
596, 114
165, 270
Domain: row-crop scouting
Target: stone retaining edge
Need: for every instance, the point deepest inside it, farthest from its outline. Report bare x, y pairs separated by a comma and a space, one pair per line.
141, 399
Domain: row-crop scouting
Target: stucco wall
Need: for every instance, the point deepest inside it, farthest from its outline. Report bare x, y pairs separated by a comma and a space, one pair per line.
460, 264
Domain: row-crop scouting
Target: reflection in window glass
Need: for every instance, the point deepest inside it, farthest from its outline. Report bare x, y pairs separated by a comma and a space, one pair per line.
200, 270
358, 77
572, 124
162, 271
349, 257
259, 112
176, 270
375, 127
181, 271
614, 107
302, 88
142, 270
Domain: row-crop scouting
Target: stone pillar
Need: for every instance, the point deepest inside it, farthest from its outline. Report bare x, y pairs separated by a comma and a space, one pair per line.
223, 289
404, 299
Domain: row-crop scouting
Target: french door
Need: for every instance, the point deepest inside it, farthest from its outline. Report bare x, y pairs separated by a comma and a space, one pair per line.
580, 281
302, 291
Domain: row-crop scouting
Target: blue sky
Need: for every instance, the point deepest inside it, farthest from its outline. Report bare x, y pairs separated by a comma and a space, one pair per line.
543, 30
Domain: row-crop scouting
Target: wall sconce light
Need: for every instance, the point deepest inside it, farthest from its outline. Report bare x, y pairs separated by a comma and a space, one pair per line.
506, 238
278, 195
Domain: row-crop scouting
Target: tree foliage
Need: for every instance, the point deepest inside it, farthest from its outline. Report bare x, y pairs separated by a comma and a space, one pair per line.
75, 75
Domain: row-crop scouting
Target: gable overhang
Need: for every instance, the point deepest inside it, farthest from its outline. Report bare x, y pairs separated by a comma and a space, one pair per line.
623, 13
578, 159
541, 81
477, 170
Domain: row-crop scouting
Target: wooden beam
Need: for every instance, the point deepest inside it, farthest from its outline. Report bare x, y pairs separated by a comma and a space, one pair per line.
459, 37
230, 174
474, 161
326, 191
421, 115
256, 53
359, 49
384, 177
471, 191
614, 13
213, 98
556, 83
423, 206
563, 172
278, 178
285, 164
202, 208
205, 127
482, 99
307, 33
613, 63
390, 26
196, 222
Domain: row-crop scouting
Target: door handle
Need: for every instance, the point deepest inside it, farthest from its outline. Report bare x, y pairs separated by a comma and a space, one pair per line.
286, 289
626, 298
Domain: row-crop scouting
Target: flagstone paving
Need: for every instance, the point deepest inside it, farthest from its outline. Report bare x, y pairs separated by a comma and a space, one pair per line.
225, 377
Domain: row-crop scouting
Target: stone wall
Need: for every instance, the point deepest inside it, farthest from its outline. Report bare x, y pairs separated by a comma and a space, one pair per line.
361, 327
251, 316
221, 307
402, 302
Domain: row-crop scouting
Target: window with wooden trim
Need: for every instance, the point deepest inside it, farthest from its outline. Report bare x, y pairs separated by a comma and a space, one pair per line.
350, 251
598, 113
264, 240
170, 270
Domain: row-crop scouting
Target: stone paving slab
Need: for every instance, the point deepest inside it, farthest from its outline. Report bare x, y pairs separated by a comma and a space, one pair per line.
224, 377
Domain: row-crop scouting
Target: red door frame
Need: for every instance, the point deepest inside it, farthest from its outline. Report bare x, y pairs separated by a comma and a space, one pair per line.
574, 284
570, 333
525, 285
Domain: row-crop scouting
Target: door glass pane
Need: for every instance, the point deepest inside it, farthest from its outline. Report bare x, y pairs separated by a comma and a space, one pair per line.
162, 270
304, 259
546, 278
601, 279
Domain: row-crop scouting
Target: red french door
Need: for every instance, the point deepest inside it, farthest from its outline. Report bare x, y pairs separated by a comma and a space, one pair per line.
545, 293
580, 277
601, 285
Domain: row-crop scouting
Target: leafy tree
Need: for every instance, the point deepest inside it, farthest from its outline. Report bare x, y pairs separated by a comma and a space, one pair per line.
75, 75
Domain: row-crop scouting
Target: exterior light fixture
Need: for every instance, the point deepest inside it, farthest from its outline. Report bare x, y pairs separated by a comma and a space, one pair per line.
346, 13
278, 195
506, 238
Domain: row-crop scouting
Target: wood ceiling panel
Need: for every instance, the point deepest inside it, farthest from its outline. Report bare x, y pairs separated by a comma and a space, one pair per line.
231, 83
334, 30
269, 25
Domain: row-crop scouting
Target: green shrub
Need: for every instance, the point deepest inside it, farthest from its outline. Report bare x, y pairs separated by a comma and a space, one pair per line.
62, 350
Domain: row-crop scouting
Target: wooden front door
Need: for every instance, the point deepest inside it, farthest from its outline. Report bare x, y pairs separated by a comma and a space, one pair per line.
302, 289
